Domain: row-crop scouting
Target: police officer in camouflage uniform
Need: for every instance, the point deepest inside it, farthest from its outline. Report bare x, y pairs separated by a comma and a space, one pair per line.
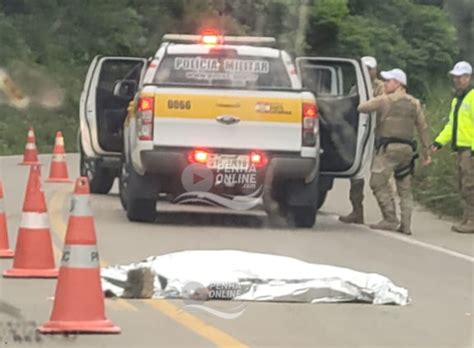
356, 194
460, 132
395, 147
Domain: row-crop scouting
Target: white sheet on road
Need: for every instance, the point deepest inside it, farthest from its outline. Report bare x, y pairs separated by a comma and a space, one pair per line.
264, 278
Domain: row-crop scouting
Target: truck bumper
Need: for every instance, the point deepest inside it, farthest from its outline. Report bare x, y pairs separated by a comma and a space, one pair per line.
162, 161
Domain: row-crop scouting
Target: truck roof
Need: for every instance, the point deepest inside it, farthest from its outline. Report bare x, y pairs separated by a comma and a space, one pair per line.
243, 50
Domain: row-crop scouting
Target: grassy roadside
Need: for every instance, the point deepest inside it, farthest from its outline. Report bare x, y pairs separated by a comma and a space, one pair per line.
14, 126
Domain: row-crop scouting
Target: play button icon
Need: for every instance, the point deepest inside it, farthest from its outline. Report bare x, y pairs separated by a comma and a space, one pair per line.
197, 178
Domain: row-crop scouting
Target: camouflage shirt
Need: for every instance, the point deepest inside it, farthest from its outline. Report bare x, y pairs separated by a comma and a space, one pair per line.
382, 105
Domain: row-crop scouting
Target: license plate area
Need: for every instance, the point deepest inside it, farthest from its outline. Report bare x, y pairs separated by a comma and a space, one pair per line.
228, 162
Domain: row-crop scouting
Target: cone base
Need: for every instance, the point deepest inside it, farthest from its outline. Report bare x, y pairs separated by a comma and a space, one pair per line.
65, 180
93, 326
28, 163
31, 273
6, 253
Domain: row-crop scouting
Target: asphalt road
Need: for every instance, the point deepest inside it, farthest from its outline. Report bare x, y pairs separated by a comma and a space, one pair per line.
435, 265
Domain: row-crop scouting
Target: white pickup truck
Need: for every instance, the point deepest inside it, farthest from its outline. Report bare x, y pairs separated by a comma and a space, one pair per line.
224, 121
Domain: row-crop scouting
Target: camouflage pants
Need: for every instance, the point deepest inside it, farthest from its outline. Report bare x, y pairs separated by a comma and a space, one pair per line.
386, 162
356, 194
466, 182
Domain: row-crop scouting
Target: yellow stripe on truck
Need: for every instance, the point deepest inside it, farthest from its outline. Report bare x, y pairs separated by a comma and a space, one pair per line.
247, 108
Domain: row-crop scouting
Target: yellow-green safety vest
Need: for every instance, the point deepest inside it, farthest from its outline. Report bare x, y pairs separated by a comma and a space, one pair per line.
460, 128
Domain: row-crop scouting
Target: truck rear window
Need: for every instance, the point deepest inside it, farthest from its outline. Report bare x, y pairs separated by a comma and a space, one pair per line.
222, 70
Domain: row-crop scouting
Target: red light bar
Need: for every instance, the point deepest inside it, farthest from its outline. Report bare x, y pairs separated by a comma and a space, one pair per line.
210, 40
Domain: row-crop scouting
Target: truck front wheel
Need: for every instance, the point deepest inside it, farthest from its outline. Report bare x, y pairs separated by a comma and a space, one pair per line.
100, 178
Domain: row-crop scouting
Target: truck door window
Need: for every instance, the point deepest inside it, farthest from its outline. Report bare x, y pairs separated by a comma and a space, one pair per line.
334, 83
111, 110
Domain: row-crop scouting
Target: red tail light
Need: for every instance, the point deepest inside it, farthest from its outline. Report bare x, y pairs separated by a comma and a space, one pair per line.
310, 110
258, 159
145, 104
309, 123
145, 111
198, 156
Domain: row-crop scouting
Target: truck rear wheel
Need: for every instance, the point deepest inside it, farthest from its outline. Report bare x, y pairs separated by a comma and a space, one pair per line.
321, 198
138, 194
100, 178
141, 210
298, 202
304, 217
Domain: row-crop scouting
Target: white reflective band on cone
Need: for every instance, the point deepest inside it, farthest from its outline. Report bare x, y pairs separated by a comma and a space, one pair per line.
80, 256
59, 158
30, 146
60, 141
34, 220
2, 205
80, 205
30, 134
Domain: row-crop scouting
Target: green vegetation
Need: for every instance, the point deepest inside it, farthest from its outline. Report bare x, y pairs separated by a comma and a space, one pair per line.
47, 45
436, 187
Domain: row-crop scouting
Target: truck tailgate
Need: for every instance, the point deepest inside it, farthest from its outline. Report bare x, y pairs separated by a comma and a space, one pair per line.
243, 119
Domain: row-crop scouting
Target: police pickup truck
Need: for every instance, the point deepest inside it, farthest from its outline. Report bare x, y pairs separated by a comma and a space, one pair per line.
224, 121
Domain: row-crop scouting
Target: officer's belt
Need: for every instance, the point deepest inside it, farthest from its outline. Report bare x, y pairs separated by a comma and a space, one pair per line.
409, 169
385, 141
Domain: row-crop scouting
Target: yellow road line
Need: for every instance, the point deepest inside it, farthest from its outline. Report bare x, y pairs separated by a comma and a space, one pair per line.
196, 325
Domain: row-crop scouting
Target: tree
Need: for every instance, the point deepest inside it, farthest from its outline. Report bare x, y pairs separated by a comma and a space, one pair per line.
400, 33
462, 14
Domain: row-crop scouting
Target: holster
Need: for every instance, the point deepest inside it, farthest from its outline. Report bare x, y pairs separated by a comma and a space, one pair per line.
400, 173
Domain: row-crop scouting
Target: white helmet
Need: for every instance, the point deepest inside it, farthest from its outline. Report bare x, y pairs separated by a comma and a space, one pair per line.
370, 62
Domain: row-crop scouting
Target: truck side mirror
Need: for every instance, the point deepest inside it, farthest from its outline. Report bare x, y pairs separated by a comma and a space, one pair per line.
125, 89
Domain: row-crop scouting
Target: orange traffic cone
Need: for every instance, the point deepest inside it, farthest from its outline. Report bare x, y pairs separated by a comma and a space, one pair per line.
34, 250
30, 155
5, 252
58, 171
79, 300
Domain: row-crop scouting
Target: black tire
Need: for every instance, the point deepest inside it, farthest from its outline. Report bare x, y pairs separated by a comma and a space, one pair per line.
141, 210
322, 198
100, 178
123, 184
304, 217
138, 194
300, 213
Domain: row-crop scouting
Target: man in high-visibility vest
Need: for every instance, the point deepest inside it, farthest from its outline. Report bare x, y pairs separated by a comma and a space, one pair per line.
460, 132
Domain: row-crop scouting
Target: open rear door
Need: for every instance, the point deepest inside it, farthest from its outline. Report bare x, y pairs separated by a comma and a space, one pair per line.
346, 135
101, 112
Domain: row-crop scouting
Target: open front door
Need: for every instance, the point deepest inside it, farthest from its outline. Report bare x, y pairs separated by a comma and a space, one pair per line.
346, 136
101, 112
